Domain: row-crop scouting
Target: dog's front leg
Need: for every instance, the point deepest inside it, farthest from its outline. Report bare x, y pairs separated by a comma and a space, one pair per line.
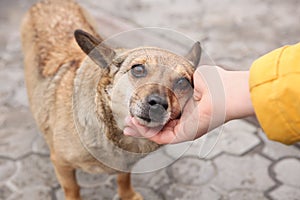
67, 179
125, 190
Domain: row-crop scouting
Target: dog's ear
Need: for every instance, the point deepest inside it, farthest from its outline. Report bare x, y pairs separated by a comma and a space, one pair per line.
194, 54
99, 53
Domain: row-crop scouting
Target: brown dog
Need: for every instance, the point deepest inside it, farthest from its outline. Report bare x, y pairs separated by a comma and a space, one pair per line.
79, 102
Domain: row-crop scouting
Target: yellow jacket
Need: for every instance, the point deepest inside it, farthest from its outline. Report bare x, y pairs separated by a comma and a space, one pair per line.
275, 93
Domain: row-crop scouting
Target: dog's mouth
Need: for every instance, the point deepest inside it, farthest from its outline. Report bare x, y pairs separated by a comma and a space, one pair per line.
146, 119
151, 122
150, 115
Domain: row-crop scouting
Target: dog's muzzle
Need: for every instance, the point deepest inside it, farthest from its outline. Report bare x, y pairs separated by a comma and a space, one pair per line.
151, 111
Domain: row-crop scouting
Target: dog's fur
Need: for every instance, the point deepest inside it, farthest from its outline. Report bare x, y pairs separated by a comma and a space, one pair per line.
78, 99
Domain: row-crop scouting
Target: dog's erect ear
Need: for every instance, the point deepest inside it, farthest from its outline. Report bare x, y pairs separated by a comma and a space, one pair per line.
194, 54
99, 53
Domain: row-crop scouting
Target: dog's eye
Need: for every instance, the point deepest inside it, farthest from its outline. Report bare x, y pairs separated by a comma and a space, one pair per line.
182, 84
138, 71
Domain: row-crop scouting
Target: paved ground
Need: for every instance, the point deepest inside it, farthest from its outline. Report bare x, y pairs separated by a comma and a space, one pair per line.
244, 165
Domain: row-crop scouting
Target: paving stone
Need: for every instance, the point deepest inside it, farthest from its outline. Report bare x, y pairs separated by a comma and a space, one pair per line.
154, 180
202, 147
6, 86
90, 180
13, 64
201, 193
196, 147
3, 112
7, 169
147, 194
155, 161
17, 133
292, 166
59, 194
181, 191
19, 98
16, 142
237, 137
106, 192
12, 80
5, 192
232, 30
113, 24
133, 36
12, 87
174, 16
20, 117
39, 145
238, 30
246, 195
12, 76
209, 145
276, 150
32, 193
249, 172
282, 20
91, 189
179, 150
174, 191
103, 192
5, 91
34, 170
193, 171
103, 186
285, 192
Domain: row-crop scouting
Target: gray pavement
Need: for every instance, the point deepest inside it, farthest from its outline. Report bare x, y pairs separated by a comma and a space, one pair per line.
244, 165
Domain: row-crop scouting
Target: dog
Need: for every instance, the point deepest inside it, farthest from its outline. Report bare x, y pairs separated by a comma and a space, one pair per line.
80, 91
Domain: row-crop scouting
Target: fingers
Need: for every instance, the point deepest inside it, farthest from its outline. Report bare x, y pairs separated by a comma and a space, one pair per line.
130, 129
133, 128
174, 132
160, 135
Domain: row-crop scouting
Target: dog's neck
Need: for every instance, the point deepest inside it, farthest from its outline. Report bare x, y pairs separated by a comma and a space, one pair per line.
95, 123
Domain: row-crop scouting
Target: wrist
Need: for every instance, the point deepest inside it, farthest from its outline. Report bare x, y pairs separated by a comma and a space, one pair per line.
237, 94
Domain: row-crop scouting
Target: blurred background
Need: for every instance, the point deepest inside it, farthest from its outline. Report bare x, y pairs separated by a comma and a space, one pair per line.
244, 165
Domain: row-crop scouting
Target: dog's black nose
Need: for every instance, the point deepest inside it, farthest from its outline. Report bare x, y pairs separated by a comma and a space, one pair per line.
155, 101
158, 106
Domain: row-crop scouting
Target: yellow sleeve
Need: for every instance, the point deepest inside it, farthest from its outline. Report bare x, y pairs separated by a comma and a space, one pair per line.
275, 93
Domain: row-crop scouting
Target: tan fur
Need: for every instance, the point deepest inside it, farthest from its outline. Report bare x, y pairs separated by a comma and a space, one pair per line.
70, 95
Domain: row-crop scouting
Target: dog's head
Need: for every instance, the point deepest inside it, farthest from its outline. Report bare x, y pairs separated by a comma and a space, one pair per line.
150, 84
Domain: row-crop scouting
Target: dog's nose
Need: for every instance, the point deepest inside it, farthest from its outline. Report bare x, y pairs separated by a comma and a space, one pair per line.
156, 100
158, 106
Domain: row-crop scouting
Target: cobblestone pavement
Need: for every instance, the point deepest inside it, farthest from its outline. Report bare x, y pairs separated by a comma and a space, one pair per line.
244, 165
